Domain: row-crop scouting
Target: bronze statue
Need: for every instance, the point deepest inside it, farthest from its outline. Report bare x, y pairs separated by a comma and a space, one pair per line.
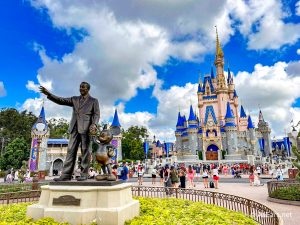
85, 113
105, 151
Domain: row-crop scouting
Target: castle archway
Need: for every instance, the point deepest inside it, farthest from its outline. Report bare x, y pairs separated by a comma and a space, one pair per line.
212, 152
57, 166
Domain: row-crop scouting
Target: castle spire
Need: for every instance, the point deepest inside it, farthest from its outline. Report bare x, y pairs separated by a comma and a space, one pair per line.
250, 124
260, 117
219, 51
178, 120
229, 114
116, 122
212, 75
228, 75
192, 116
243, 114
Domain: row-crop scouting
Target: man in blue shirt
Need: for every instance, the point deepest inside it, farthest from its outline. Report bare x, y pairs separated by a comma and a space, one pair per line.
124, 172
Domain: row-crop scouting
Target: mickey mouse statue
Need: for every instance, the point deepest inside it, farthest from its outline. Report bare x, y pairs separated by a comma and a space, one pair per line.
105, 151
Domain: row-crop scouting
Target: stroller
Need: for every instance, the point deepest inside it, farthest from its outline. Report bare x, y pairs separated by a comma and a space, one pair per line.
237, 174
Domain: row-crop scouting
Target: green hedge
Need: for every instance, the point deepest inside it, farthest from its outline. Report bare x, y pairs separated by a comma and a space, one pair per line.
287, 193
183, 212
153, 211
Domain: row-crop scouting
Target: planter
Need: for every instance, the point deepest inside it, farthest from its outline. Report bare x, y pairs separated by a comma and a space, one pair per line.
282, 201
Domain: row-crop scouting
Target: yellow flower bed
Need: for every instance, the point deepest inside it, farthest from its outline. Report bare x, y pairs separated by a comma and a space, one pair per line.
153, 212
183, 212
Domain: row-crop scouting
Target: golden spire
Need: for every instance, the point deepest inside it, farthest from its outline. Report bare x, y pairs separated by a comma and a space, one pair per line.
219, 51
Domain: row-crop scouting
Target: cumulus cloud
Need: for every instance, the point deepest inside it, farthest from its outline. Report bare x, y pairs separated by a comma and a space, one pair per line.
2, 89
262, 22
298, 51
274, 89
297, 8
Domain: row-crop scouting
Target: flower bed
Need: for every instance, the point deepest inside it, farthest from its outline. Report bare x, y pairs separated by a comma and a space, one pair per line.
184, 212
291, 193
153, 211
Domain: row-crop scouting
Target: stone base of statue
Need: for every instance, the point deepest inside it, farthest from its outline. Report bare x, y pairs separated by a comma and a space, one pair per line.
86, 202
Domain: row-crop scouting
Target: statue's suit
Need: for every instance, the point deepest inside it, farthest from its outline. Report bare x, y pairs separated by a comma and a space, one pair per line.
85, 112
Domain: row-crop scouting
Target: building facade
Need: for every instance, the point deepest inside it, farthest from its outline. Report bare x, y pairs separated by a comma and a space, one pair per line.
220, 128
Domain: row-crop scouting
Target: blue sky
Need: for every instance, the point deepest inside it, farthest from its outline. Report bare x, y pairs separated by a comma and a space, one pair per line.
145, 60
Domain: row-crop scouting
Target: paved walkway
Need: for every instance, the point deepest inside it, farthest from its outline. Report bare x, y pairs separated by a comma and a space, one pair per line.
289, 214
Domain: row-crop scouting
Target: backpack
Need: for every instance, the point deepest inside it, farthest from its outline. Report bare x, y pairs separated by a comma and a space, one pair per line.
211, 184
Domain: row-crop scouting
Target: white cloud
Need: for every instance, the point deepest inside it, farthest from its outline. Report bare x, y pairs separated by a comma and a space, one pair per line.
262, 22
275, 88
298, 51
2, 89
297, 8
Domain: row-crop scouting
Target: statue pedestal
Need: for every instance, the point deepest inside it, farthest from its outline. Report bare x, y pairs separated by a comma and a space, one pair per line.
80, 203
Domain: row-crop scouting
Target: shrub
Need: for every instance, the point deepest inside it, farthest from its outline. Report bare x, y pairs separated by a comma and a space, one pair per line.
184, 212
287, 193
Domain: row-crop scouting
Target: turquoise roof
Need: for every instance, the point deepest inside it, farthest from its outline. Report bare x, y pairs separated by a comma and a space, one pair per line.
116, 122
229, 114
210, 109
192, 116
243, 114
250, 124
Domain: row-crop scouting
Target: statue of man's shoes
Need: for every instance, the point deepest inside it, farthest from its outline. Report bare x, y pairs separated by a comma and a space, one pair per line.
101, 177
111, 177
108, 177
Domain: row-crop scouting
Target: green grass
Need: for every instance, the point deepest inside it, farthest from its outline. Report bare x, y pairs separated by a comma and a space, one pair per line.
287, 193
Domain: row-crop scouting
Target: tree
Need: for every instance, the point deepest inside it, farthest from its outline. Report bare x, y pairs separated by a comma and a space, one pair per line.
16, 152
296, 162
132, 143
58, 128
15, 124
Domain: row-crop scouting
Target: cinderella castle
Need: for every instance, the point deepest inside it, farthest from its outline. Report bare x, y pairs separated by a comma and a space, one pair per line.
223, 130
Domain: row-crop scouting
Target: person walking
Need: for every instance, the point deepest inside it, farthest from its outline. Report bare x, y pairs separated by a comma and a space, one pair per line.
216, 177
174, 177
167, 180
205, 178
251, 175
153, 174
161, 174
182, 177
191, 174
86, 114
140, 174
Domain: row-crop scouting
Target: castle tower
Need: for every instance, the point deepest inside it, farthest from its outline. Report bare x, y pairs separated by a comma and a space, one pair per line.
221, 88
192, 131
219, 63
117, 136
243, 120
251, 130
40, 133
179, 127
231, 131
265, 130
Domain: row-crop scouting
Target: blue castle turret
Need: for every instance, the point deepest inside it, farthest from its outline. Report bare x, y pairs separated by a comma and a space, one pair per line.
231, 131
